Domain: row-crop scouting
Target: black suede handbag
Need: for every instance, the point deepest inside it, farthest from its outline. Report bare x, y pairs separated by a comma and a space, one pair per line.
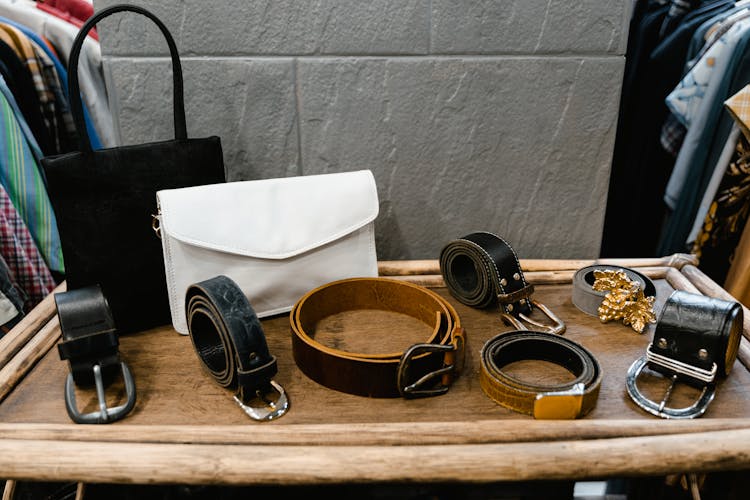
104, 200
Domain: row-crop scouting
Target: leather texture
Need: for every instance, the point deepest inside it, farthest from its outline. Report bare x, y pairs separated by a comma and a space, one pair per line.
104, 200
689, 322
588, 300
228, 337
519, 396
276, 238
89, 335
482, 270
375, 375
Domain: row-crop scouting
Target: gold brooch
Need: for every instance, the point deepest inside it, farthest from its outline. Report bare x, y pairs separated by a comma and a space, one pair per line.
624, 300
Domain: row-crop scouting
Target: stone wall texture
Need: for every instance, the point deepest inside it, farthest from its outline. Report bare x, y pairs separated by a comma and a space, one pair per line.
492, 115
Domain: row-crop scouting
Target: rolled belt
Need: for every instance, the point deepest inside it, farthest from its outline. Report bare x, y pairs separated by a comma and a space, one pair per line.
482, 270
696, 341
90, 344
588, 300
229, 340
424, 369
557, 401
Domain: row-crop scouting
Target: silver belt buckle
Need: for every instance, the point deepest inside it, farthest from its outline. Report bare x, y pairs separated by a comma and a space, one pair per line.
105, 415
661, 409
270, 409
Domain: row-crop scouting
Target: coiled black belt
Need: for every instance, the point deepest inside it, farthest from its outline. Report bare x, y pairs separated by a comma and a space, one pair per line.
558, 401
482, 270
231, 344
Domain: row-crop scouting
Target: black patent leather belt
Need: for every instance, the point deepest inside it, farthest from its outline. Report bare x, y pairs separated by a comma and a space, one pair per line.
482, 270
424, 369
231, 344
556, 401
90, 344
696, 341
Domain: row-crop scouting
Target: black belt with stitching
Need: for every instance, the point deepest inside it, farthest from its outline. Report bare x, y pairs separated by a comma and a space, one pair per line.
90, 344
482, 270
231, 344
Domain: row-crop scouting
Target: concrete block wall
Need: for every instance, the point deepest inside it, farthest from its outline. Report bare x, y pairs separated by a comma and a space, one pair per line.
494, 115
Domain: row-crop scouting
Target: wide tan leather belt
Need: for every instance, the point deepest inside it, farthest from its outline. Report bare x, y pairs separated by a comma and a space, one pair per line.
424, 369
558, 401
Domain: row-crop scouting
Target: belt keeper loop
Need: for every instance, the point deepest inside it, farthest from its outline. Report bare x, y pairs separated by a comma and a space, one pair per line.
454, 358
509, 298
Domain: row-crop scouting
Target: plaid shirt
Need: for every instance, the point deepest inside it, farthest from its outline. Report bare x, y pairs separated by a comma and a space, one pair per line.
21, 177
26, 266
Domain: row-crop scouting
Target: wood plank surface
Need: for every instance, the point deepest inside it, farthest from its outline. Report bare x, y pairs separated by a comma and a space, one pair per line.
290, 465
185, 428
174, 389
13, 341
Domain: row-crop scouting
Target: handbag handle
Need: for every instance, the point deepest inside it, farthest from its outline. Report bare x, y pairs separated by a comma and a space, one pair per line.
74, 93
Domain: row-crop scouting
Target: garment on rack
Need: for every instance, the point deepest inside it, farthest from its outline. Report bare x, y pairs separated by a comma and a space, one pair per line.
11, 300
76, 12
19, 81
707, 145
719, 171
726, 218
61, 34
697, 101
21, 178
63, 77
640, 166
20, 253
60, 134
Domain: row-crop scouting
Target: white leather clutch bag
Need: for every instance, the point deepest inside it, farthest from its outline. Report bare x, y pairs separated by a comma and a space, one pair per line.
276, 238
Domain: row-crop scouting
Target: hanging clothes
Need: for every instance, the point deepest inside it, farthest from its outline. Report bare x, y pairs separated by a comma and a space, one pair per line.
75, 12
63, 77
20, 176
62, 34
702, 149
640, 166
718, 244
12, 300
44, 79
19, 81
26, 266
726, 217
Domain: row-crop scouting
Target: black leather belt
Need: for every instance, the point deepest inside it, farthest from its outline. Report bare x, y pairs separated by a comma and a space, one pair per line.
482, 270
231, 344
424, 369
696, 340
90, 344
561, 401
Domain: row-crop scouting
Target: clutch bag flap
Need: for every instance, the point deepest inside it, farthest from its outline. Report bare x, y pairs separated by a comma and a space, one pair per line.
276, 238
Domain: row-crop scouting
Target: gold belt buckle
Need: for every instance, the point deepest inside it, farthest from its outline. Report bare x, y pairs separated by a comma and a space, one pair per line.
559, 405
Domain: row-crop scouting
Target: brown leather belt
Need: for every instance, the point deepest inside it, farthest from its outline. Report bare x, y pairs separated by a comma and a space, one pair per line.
424, 369
562, 401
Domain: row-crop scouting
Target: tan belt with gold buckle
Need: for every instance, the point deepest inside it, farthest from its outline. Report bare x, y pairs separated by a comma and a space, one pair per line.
423, 369
555, 401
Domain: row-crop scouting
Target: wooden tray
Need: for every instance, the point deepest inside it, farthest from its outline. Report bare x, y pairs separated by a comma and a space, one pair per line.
187, 429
